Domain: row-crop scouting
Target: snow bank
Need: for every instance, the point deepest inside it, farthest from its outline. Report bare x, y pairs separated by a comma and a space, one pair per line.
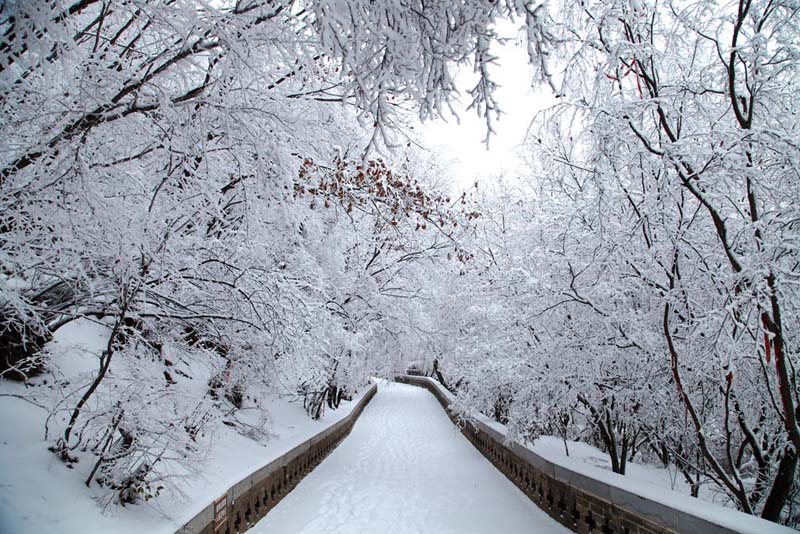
40, 495
247, 491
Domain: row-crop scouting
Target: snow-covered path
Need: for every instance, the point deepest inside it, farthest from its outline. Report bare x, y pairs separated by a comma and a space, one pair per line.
405, 469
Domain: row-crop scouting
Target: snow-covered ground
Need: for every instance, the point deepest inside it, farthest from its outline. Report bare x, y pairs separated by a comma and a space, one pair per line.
552, 448
40, 495
405, 469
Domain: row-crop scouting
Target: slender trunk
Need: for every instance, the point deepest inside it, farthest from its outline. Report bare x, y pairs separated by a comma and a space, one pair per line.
105, 363
781, 486
606, 431
438, 374
611, 443
735, 487
111, 431
623, 456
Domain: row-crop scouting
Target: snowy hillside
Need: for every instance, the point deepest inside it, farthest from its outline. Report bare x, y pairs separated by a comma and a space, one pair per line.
41, 494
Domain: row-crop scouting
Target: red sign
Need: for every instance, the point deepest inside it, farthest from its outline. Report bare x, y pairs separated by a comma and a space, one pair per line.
220, 512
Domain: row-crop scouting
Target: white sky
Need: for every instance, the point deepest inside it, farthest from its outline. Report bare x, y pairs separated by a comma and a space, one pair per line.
462, 140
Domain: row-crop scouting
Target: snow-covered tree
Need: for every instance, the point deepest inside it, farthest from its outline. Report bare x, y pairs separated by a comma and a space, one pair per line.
184, 175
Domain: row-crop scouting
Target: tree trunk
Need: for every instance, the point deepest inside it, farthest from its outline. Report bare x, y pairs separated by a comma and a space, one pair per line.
781, 486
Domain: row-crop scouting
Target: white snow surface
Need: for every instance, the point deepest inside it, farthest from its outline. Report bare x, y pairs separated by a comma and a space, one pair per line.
405, 469
552, 448
40, 495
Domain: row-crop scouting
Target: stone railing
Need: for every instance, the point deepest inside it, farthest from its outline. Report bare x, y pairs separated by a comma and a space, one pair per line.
593, 500
249, 500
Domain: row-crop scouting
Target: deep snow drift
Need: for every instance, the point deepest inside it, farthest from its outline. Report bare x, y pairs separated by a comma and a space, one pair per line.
405, 469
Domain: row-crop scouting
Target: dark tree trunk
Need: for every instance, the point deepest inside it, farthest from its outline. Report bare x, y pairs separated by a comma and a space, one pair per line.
781, 486
437, 373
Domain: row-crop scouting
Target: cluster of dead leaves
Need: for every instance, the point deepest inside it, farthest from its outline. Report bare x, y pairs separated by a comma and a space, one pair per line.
372, 187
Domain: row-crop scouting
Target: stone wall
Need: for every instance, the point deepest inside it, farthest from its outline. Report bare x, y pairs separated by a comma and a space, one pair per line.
247, 502
585, 502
